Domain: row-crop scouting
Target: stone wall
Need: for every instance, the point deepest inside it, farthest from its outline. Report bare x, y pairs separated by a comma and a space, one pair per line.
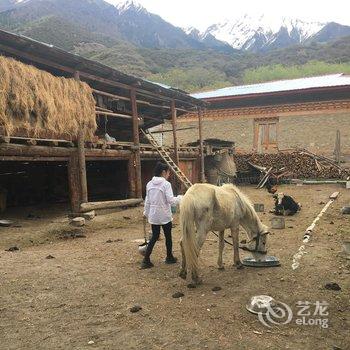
315, 131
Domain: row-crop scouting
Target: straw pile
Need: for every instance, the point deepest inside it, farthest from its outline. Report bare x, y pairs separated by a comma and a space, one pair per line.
37, 103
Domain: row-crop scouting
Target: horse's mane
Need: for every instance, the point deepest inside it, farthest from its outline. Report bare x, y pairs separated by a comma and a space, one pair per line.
244, 202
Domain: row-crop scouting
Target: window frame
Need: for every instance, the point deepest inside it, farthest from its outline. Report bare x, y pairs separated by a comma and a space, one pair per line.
267, 145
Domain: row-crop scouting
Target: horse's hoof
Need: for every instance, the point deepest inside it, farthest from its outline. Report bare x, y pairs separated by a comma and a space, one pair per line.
221, 268
183, 275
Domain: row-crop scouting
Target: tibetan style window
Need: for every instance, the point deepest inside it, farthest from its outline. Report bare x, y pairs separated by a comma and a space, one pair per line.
265, 134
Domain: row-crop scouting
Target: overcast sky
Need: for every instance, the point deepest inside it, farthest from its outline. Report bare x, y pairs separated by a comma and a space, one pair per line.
202, 13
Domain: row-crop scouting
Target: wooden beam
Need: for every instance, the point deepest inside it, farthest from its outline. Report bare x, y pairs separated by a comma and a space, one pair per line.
174, 124
136, 139
171, 130
118, 115
86, 207
200, 129
113, 96
118, 97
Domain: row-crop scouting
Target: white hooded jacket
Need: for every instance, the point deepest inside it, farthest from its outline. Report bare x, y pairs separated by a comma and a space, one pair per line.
158, 202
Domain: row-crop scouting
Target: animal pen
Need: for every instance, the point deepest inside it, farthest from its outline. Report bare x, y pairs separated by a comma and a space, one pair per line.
70, 128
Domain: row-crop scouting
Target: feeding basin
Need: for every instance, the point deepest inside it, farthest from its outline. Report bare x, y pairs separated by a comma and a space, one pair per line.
266, 261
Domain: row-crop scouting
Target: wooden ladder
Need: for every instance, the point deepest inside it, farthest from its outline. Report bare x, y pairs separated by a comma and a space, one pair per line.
167, 159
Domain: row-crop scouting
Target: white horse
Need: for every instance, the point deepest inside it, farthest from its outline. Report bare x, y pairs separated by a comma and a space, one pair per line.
207, 208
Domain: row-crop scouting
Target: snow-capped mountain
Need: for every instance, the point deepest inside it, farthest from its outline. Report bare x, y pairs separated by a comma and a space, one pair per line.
130, 4
91, 21
256, 33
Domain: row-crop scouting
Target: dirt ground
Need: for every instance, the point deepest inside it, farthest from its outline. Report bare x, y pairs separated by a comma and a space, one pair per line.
80, 299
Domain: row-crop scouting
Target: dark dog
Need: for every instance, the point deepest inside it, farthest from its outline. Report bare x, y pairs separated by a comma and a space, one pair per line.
285, 205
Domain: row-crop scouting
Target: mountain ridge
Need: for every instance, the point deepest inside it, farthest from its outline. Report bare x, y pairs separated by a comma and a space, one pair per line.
143, 44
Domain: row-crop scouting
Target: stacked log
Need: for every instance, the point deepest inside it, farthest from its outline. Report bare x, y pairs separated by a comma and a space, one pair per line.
298, 165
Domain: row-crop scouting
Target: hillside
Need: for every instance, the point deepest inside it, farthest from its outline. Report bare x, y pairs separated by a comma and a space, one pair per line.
135, 41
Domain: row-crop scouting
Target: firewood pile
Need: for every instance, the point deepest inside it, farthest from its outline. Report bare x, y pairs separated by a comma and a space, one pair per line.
300, 164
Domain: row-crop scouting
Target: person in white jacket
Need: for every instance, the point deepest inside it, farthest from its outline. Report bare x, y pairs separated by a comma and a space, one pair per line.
158, 202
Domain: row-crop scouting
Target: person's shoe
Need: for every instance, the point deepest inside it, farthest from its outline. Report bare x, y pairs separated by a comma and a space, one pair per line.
171, 260
146, 264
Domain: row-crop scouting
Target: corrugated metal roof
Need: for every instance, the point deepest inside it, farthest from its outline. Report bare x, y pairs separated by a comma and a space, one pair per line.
331, 80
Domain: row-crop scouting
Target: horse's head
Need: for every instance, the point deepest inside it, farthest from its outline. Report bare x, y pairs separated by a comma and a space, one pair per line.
258, 241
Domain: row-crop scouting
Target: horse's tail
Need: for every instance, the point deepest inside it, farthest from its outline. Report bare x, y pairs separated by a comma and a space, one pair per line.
189, 244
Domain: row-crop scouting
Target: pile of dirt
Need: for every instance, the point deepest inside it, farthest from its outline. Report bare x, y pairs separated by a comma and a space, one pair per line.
35, 102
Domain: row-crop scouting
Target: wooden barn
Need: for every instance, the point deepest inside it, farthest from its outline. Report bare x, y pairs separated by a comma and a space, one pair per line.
311, 113
72, 130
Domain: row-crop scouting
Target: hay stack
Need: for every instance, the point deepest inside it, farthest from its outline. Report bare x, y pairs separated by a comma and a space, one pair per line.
37, 103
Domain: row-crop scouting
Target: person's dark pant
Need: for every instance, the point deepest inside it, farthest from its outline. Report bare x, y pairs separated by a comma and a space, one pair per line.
155, 236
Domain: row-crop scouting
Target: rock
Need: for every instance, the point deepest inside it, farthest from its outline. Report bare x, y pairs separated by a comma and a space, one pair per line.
191, 286
109, 241
126, 218
345, 210
216, 289
12, 249
89, 215
78, 222
91, 342
331, 223
336, 347
332, 286
178, 295
135, 309
50, 257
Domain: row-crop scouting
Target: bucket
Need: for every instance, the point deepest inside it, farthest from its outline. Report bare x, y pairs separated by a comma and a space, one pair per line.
278, 223
259, 207
143, 248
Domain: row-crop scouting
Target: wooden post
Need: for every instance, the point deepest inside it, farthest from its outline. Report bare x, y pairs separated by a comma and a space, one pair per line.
337, 152
136, 138
74, 183
131, 176
82, 167
81, 157
174, 123
201, 147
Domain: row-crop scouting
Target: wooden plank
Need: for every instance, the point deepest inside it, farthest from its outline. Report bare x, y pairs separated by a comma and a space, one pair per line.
32, 159
86, 207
